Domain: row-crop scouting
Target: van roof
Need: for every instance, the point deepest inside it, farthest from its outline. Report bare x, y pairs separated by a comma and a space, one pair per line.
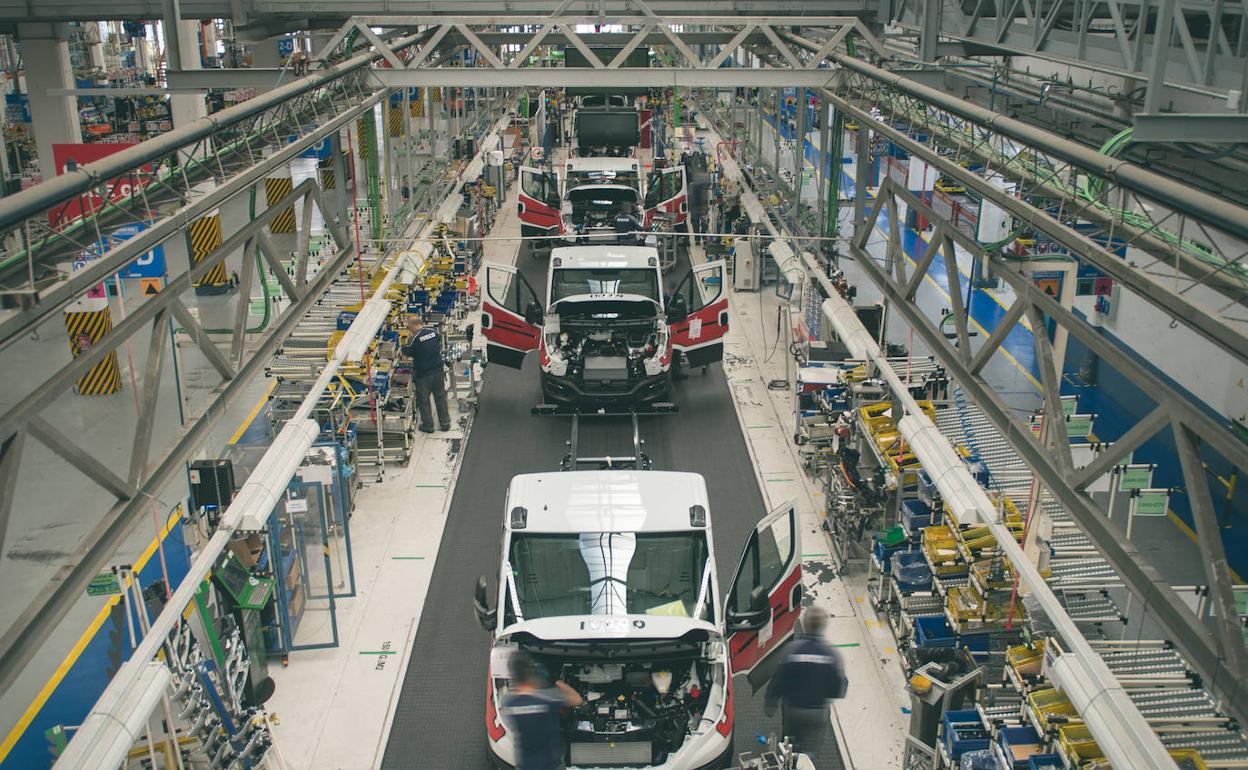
603, 256
607, 501
602, 164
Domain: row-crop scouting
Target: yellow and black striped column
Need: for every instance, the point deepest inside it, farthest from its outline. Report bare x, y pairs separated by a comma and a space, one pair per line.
205, 238
277, 187
416, 104
394, 121
85, 329
328, 181
361, 129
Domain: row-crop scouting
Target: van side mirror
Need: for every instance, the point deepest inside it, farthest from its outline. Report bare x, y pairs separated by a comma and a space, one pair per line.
487, 617
677, 309
755, 617
533, 314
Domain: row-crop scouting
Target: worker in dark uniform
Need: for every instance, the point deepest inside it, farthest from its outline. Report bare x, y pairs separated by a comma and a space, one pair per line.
627, 226
699, 201
531, 712
807, 679
424, 347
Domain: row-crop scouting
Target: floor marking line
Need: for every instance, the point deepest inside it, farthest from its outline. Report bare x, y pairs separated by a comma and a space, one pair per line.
407, 558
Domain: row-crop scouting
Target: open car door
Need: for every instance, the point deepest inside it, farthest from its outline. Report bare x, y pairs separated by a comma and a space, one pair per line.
704, 301
765, 601
539, 198
667, 193
510, 316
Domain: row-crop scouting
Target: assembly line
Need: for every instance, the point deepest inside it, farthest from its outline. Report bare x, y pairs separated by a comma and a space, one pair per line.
625, 386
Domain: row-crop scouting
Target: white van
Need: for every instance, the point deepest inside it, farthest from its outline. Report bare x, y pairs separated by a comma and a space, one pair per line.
605, 335
607, 580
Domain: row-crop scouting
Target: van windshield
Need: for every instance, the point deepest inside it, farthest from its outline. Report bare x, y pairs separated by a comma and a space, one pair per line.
574, 282
609, 573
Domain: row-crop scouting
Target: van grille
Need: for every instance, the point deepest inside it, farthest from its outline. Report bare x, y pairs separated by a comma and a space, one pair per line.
608, 753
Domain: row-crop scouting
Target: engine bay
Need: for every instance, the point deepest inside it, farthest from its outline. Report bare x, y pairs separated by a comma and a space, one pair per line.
658, 702
607, 340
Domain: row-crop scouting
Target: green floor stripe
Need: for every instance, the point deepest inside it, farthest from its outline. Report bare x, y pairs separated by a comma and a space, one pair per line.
846, 644
430, 486
813, 555
779, 481
392, 652
752, 427
407, 558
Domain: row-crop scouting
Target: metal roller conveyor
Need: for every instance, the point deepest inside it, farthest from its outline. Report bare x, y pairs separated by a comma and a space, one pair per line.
918, 604
1094, 607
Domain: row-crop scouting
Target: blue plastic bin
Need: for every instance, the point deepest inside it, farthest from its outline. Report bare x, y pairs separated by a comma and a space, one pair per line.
885, 553
915, 515
912, 572
933, 631
1044, 761
926, 490
964, 732
1009, 737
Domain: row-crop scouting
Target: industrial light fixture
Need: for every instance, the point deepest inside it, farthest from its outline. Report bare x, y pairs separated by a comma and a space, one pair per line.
353, 345
267, 483
849, 329
116, 723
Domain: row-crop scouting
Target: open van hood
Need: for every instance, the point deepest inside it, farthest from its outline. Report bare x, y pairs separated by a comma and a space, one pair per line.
610, 627
608, 303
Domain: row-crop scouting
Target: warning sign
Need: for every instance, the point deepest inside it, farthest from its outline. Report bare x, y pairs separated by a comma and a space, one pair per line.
149, 287
1049, 282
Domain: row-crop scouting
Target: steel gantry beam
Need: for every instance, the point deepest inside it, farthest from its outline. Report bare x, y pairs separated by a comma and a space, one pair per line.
1171, 43
37, 622
299, 14
1220, 658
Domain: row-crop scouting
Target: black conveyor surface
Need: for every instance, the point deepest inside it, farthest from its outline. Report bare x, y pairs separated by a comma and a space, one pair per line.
439, 721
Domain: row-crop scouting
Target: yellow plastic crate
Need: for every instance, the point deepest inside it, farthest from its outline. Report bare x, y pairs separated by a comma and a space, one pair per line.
1050, 703
941, 550
1078, 745
1026, 659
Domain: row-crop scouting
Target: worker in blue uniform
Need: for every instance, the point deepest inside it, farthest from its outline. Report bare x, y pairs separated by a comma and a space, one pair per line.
531, 712
424, 347
808, 678
627, 226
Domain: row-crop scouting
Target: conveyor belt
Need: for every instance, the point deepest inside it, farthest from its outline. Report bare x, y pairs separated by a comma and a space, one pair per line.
439, 719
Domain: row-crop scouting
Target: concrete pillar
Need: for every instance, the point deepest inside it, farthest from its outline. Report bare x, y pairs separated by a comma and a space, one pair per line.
45, 56
186, 108
264, 54
320, 38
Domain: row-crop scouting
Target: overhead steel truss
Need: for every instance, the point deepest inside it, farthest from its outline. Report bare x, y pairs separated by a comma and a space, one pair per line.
701, 48
1220, 657
859, 96
327, 12
145, 481
291, 119
1193, 46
